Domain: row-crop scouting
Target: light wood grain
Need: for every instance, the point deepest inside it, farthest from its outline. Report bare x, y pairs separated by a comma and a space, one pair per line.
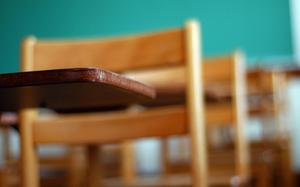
219, 115
128, 167
195, 105
115, 54
173, 47
110, 127
215, 69
229, 76
240, 120
94, 177
29, 160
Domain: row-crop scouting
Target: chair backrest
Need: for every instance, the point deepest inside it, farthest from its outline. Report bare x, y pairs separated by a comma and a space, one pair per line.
269, 88
229, 74
178, 46
215, 70
260, 81
115, 54
222, 76
219, 69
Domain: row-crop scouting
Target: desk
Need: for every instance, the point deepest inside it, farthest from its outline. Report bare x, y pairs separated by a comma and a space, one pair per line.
69, 88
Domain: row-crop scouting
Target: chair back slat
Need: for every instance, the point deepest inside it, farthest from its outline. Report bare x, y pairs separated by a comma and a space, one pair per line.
215, 70
115, 54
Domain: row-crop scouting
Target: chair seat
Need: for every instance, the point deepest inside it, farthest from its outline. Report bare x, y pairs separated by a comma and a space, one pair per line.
69, 88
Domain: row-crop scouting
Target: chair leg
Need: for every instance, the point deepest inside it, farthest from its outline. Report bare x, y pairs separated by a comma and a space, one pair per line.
94, 175
195, 103
263, 175
164, 157
128, 169
240, 110
76, 167
286, 166
29, 161
6, 145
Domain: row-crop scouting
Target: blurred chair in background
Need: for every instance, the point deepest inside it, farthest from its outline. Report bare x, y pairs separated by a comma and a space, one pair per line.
224, 81
267, 101
271, 157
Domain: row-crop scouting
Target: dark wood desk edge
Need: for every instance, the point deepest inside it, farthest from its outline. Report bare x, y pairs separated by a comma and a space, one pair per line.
74, 75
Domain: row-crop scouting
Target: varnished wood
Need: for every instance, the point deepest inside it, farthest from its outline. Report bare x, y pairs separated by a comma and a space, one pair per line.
270, 83
69, 88
182, 180
195, 105
228, 112
77, 164
163, 77
29, 170
93, 169
240, 120
128, 167
179, 46
281, 133
110, 126
170, 83
29, 160
219, 115
100, 126
115, 54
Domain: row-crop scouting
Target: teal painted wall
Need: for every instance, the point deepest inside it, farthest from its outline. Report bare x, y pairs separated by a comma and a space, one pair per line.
260, 27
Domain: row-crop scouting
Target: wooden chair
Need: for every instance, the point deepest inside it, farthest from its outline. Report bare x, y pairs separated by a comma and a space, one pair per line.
261, 83
8, 170
63, 166
173, 47
233, 116
224, 79
267, 87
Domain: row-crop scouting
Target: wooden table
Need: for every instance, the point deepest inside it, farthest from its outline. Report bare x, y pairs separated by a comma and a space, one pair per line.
70, 88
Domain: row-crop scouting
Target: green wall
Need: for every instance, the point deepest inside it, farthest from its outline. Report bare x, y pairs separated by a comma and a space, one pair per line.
260, 27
